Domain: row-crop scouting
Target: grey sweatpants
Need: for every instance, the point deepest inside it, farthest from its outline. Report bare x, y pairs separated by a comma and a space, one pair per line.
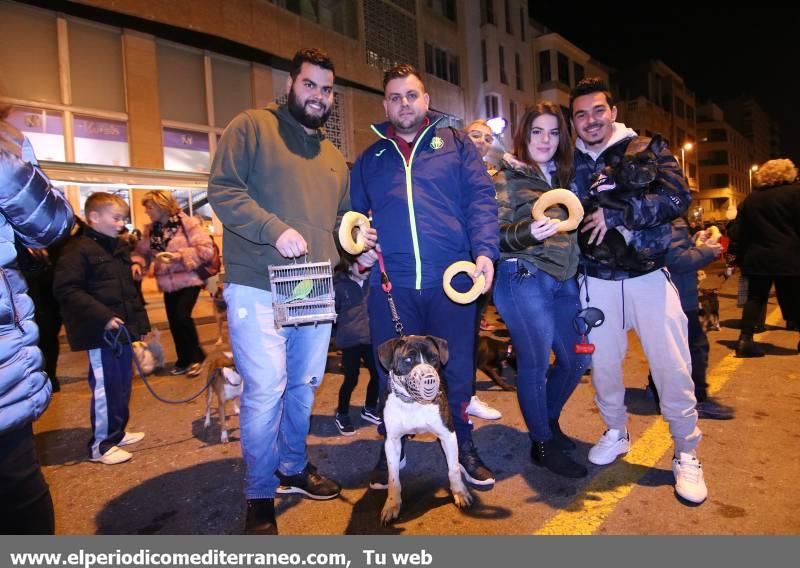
651, 306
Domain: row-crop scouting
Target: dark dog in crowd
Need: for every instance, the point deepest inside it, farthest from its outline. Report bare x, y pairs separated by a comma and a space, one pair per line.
709, 309
417, 403
630, 176
493, 356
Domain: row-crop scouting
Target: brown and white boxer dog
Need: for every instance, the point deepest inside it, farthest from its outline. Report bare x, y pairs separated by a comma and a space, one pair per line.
417, 403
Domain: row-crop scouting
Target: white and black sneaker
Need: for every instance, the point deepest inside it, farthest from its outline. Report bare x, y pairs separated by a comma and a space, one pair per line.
371, 415
475, 471
309, 483
344, 424
612, 444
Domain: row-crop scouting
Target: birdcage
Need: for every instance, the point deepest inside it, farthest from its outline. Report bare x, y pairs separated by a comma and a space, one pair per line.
302, 292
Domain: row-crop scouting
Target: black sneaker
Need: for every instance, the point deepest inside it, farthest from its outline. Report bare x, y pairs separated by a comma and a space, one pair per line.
309, 483
260, 517
710, 409
379, 478
344, 424
371, 415
472, 467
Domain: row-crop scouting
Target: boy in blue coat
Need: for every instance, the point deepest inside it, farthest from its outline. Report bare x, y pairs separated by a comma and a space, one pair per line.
683, 261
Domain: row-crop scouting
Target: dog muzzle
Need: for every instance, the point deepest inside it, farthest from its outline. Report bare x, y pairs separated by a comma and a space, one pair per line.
422, 383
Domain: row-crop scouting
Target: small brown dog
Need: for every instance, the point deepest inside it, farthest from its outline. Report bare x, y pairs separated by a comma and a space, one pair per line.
220, 313
225, 383
493, 356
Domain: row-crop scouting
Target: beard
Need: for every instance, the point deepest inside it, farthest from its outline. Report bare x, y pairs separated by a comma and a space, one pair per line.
298, 111
409, 124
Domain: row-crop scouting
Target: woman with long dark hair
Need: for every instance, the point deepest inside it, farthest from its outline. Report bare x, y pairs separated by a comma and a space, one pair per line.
536, 291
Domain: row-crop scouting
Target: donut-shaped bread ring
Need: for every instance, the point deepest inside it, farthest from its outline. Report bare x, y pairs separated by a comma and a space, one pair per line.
477, 283
710, 236
350, 221
713, 235
559, 197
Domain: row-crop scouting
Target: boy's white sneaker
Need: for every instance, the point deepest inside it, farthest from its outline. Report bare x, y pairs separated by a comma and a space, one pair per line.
689, 481
113, 456
612, 444
131, 438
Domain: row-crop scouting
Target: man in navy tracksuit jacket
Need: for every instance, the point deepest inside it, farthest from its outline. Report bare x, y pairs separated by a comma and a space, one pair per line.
432, 204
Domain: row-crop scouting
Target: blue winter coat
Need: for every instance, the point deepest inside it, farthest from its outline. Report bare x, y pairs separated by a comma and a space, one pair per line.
437, 209
648, 217
683, 261
38, 215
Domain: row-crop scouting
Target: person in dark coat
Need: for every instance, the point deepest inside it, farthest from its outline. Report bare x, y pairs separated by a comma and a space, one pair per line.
767, 234
95, 289
684, 259
351, 335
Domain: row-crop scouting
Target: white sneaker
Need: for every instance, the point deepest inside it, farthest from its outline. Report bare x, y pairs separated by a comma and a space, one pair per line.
689, 482
131, 438
480, 409
113, 456
612, 444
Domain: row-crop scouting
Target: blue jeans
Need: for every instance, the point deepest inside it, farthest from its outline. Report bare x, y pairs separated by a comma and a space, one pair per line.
539, 312
282, 370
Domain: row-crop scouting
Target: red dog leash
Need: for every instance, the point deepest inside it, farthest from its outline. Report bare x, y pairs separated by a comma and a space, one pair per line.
386, 284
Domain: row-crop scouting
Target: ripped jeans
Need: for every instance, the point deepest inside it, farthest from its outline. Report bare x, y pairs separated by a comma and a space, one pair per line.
282, 370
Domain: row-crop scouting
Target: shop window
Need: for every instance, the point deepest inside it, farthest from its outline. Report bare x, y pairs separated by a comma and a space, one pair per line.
45, 130
101, 141
186, 150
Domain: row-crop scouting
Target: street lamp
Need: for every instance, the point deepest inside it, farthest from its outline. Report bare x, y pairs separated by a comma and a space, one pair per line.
685, 148
753, 168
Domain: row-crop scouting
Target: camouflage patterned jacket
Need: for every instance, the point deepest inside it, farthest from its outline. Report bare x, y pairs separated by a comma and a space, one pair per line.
518, 186
649, 218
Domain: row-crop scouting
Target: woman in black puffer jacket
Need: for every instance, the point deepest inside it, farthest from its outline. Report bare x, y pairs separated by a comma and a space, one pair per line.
33, 212
767, 236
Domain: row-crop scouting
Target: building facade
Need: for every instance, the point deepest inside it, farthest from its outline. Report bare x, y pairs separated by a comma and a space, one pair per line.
726, 159
655, 99
559, 65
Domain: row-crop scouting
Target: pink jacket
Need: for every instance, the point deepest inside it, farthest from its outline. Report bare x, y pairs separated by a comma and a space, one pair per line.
195, 250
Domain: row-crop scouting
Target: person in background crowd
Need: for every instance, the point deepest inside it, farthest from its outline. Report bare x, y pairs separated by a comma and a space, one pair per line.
176, 244
767, 236
684, 259
351, 335
482, 136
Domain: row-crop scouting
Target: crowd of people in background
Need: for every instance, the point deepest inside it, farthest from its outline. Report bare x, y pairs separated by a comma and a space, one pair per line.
278, 186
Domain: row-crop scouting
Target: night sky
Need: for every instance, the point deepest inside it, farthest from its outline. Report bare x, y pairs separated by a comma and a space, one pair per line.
720, 51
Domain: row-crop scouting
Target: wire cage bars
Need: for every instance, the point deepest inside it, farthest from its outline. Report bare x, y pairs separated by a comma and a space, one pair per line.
302, 293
